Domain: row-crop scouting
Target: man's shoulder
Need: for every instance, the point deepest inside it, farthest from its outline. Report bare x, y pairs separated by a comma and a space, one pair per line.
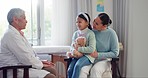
9, 34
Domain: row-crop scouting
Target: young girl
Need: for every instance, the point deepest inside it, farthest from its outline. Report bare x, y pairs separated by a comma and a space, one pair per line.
81, 54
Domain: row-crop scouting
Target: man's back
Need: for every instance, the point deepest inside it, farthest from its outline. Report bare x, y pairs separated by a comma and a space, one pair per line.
6, 56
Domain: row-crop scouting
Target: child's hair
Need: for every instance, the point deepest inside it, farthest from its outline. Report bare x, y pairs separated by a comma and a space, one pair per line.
105, 19
86, 17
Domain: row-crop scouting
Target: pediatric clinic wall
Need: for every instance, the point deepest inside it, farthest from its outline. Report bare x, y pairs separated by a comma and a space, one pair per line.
137, 64
137, 52
108, 8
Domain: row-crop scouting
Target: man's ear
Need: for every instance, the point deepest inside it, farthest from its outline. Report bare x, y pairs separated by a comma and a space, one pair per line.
15, 19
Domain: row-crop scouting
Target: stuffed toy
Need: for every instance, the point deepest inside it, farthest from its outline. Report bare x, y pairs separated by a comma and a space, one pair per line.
79, 42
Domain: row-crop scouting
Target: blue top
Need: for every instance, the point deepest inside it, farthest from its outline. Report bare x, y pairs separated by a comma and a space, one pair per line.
106, 43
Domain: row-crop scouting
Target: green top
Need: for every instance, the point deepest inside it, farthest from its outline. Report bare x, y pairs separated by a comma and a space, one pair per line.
90, 42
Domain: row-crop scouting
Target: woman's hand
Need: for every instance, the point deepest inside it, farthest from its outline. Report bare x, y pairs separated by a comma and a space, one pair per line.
77, 54
48, 64
94, 54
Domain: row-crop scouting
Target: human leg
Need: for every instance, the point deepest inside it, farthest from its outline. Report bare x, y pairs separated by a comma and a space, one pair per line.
85, 71
71, 67
33, 73
83, 61
99, 68
50, 75
51, 70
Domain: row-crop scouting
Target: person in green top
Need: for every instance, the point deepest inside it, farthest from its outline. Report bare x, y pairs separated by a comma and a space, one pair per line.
106, 47
80, 55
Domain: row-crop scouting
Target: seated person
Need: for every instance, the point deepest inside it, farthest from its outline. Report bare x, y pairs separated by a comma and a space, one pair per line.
107, 46
81, 54
15, 49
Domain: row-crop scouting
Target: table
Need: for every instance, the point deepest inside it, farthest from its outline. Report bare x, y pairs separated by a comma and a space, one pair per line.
59, 57
57, 53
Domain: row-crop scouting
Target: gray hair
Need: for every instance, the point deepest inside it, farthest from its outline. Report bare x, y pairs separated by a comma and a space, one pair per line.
14, 12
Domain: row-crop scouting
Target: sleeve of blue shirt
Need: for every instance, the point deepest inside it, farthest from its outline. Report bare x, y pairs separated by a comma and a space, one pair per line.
110, 45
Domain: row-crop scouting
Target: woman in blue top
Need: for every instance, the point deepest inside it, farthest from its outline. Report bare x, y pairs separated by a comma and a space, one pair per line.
78, 61
106, 47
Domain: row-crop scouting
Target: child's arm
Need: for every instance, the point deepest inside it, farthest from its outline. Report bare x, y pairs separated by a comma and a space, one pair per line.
91, 44
79, 42
73, 47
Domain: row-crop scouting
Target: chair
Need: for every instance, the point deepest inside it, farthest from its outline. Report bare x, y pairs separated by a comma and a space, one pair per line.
114, 67
114, 64
14, 68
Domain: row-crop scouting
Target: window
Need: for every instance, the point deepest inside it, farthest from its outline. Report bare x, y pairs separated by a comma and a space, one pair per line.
6, 5
50, 22
38, 15
47, 23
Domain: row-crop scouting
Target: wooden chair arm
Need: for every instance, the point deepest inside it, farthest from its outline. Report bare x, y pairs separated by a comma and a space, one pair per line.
115, 59
14, 68
115, 68
68, 60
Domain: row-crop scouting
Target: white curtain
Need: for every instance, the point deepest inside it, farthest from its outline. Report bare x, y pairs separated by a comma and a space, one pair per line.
63, 22
120, 25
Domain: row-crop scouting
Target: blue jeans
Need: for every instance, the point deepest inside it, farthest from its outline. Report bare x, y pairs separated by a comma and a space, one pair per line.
76, 65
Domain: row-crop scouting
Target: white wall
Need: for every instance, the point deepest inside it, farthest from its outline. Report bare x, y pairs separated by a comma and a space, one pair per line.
108, 8
137, 64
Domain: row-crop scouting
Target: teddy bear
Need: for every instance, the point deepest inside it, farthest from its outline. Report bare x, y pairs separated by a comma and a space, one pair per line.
79, 42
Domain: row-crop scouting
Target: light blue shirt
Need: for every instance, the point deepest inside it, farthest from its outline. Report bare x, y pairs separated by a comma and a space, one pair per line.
106, 43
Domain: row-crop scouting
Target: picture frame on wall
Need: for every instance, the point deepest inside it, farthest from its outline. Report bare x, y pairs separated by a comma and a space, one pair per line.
100, 5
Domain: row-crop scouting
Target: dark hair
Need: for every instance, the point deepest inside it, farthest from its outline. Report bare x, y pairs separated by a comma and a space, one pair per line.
83, 17
105, 19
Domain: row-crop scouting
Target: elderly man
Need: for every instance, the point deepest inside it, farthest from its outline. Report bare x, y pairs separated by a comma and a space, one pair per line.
16, 50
